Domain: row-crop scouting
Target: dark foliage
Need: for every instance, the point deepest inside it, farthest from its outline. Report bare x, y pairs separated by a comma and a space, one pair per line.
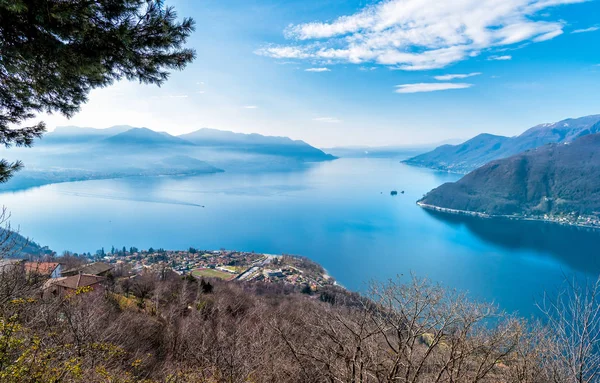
554, 179
53, 52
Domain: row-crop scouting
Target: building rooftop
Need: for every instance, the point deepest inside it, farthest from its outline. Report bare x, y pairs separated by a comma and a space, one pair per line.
80, 280
42, 268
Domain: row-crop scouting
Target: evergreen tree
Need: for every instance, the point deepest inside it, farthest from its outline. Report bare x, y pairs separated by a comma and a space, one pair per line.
53, 52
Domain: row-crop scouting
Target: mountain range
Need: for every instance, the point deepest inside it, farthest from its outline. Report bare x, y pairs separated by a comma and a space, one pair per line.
73, 153
124, 135
484, 148
555, 179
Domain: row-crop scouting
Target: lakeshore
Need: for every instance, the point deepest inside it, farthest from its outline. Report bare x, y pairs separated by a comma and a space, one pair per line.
565, 220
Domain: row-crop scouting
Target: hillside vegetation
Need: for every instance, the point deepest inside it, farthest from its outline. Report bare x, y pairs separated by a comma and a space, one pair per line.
484, 148
553, 179
161, 327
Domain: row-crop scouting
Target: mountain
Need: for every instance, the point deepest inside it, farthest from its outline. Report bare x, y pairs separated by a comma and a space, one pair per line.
186, 163
554, 179
74, 134
484, 148
144, 137
76, 154
14, 245
256, 143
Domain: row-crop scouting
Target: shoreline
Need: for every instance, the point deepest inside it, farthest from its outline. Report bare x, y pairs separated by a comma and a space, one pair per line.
509, 217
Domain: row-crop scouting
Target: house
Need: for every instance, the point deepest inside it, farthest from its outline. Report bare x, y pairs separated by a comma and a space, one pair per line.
97, 268
45, 269
272, 273
69, 285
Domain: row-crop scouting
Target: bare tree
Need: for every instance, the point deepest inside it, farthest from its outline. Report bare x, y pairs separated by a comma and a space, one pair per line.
10, 243
573, 320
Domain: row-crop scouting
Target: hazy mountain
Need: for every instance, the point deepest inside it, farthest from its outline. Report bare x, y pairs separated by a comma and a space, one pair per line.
144, 137
74, 134
187, 163
74, 154
484, 148
555, 178
256, 143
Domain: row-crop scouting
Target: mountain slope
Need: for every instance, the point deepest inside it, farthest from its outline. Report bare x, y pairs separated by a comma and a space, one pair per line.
554, 179
256, 143
144, 137
74, 134
484, 148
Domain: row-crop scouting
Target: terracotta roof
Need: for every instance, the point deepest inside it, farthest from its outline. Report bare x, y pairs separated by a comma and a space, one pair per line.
80, 280
50, 282
43, 268
92, 268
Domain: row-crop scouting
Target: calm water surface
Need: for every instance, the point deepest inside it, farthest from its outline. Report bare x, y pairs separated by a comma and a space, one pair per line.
339, 214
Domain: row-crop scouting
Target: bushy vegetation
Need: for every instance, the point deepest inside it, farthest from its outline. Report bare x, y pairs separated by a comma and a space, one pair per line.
161, 327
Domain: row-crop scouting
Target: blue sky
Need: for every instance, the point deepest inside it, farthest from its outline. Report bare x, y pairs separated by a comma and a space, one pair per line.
339, 72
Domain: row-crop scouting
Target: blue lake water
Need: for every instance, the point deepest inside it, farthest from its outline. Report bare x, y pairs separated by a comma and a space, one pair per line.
337, 213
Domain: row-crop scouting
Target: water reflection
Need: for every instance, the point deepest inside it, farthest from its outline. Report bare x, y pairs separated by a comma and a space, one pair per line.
579, 248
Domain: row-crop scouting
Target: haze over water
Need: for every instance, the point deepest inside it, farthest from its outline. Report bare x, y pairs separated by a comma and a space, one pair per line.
337, 213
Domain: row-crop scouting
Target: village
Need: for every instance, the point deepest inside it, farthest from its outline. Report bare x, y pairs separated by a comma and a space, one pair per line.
69, 273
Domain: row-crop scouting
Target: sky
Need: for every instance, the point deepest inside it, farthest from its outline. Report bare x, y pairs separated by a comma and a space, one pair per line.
369, 73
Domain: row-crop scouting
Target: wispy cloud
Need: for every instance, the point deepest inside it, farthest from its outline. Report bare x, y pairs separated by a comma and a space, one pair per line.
178, 96
317, 70
250, 107
367, 68
585, 30
430, 87
420, 34
500, 58
449, 77
330, 120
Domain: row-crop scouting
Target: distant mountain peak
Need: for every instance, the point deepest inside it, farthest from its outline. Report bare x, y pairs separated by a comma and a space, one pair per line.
145, 136
485, 147
255, 143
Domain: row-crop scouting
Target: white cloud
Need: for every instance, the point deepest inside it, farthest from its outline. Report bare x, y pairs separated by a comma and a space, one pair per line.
430, 87
420, 34
367, 68
178, 96
500, 58
331, 120
250, 107
317, 70
449, 77
585, 30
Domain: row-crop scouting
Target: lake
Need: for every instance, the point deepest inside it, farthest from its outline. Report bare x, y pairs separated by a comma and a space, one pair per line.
337, 213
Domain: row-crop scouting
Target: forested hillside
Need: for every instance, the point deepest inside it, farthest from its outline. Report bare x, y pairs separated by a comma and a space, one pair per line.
554, 179
160, 327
